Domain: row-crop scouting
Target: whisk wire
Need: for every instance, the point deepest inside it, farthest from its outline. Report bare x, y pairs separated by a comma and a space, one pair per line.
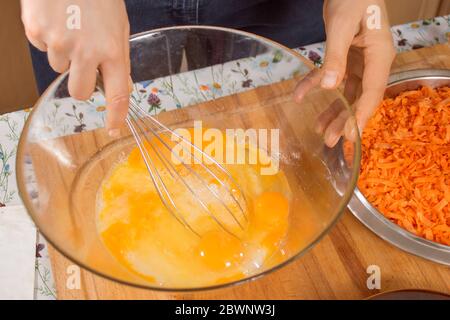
143, 114
139, 117
202, 181
203, 205
139, 127
153, 175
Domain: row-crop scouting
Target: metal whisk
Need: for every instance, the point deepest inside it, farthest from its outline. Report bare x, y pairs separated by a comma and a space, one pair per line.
145, 129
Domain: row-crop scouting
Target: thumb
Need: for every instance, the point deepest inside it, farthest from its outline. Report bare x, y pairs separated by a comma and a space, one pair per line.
339, 39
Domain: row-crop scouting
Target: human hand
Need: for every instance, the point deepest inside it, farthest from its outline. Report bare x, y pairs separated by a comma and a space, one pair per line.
361, 56
100, 43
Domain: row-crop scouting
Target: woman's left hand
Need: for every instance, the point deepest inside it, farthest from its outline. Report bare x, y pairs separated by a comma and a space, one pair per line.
359, 50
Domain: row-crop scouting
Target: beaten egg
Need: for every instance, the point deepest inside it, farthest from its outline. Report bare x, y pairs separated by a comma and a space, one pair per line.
147, 239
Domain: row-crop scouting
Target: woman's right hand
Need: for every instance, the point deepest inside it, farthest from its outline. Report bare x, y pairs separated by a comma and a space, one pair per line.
100, 42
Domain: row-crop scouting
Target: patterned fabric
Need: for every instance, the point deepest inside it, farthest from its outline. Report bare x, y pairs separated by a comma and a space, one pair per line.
168, 93
66, 116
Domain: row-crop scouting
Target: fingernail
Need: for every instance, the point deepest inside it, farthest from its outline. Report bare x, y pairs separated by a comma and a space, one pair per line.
352, 134
360, 129
329, 79
114, 133
350, 130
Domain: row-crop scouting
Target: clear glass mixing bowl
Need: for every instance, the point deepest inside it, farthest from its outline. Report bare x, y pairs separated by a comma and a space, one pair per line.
227, 79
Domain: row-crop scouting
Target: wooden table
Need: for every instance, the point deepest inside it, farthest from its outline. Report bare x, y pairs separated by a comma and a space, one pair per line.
336, 268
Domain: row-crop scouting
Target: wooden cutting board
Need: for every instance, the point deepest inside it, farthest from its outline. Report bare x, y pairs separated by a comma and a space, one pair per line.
336, 268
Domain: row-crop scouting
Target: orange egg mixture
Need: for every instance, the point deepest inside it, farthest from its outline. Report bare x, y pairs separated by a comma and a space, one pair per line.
148, 240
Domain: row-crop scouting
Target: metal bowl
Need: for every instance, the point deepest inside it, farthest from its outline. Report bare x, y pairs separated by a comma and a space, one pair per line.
375, 220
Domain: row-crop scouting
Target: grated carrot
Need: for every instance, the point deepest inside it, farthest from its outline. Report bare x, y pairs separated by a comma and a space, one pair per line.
405, 166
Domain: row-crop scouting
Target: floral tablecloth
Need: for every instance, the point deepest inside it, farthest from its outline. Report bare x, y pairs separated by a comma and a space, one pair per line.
159, 95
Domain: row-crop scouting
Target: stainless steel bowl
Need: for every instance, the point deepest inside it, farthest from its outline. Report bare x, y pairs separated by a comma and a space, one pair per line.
369, 215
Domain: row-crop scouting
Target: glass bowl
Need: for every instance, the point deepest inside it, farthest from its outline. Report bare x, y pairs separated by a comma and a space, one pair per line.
225, 78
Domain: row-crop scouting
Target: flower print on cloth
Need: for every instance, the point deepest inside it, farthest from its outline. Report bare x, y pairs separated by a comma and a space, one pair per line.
154, 102
419, 34
65, 116
44, 288
192, 87
10, 129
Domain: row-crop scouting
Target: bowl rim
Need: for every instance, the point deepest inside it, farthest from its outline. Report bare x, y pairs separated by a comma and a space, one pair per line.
378, 295
347, 195
374, 220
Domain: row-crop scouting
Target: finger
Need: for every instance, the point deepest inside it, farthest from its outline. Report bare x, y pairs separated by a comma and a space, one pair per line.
352, 88
311, 80
33, 30
340, 35
325, 120
116, 81
82, 79
38, 44
127, 49
127, 57
376, 74
366, 105
335, 129
327, 116
58, 61
351, 129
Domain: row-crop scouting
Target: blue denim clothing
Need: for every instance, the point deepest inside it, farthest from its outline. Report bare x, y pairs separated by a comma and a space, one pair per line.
293, 23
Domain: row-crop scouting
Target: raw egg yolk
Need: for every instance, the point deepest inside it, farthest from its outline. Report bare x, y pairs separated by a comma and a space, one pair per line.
270, 217
218, 250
